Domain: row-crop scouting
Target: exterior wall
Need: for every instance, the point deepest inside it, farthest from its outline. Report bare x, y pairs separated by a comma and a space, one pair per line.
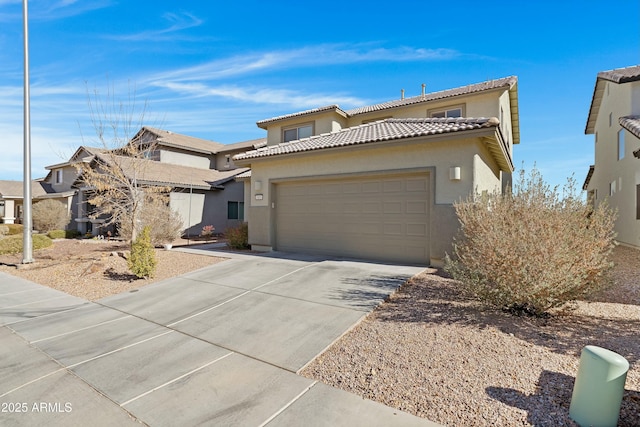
322, 123
221, 163
437, 154
69, 175
618, 101
186, 159
201, 208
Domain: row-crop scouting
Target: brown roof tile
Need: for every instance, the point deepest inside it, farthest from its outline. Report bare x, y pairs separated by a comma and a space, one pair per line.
334, 107
165, 174
173, 139
621, 75
631, 123
384, 130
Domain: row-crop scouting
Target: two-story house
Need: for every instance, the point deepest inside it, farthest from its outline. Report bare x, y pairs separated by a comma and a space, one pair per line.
200, 174
379, 181
614, 120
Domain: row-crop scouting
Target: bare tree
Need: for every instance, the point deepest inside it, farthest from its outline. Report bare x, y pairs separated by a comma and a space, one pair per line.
114, 181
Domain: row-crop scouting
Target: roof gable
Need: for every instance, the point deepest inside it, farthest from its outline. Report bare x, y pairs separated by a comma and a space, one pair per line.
176, 140
617, 76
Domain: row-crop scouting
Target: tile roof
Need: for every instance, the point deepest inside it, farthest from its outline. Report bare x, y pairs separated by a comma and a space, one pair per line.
621, 75
383, 130
165, 174
592, 168
507, 82
334, 107
618, 76
253, 143
172, 139
631, 123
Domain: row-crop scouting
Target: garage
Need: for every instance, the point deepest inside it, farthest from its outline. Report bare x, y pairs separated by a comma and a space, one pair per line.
379, 217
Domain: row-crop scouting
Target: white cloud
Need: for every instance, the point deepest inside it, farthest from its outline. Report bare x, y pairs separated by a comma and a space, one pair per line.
177, 22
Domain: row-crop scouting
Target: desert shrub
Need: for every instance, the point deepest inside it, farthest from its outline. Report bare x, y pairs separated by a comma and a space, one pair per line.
142, 261
531, 250
49, 215
14, 229
57, 234
72, 234
165, 223
207, 231
238, 237
13, 244
4, 230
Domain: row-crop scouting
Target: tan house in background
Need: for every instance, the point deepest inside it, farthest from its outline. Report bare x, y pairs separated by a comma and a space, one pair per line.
614, 120
379, 182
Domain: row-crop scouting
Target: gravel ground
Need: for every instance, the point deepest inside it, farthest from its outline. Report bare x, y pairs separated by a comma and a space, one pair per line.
427, 350
89, 269
433, 353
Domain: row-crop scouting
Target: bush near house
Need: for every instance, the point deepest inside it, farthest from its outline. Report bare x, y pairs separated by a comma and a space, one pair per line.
14, 229
532, 250
4, 230
142, 261
49, 215
165, 223
238, 237
63, 234
13, 244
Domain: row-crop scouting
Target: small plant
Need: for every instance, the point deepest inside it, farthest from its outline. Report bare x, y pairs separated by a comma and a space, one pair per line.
57, 234
15, 229
50, 215
238, 237
13, 244
532, 250
142, 261
4, 230
166, 224
207, 231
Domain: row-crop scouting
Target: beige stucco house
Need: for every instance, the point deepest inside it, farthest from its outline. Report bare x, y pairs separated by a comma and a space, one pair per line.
379, 182
614, 120
12, 195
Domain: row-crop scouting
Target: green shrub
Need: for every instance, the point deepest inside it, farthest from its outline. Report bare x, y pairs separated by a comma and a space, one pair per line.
72, 234
14, 229
142, 261
13, 244
49, 215
57, 234
238, 237
532, 250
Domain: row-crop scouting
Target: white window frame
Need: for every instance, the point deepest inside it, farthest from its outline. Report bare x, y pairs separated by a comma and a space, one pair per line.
297, 128
444, 112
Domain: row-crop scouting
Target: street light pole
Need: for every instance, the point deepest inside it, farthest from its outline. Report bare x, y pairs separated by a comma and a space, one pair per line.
27, 247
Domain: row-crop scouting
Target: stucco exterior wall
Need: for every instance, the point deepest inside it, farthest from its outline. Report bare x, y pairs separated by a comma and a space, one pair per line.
186, 159
199, 208
322, 123
437, 155
618, 100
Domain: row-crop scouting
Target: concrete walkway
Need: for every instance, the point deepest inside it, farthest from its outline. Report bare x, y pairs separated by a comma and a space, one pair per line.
219, 346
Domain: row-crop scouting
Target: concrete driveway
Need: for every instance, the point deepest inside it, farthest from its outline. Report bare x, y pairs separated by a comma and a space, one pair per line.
219, 346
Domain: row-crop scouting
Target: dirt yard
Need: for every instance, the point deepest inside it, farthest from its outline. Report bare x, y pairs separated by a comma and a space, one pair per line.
94, 269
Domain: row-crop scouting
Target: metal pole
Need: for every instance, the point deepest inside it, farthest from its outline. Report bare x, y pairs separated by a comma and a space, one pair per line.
27, 248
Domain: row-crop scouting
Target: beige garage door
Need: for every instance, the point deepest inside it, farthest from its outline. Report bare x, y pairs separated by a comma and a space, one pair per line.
383, 217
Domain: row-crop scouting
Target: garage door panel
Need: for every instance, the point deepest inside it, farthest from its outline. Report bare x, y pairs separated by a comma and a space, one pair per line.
377, 217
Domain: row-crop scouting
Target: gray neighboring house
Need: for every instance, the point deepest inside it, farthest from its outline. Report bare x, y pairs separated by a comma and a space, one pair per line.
199, 172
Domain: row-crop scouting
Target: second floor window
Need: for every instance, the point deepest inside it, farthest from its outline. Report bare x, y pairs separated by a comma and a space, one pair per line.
450, 112
298, 132
58, 176
620, 144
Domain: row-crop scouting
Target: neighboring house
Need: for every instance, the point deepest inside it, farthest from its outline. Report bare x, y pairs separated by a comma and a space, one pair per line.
12, 196
614, 119
199, 173
379, 182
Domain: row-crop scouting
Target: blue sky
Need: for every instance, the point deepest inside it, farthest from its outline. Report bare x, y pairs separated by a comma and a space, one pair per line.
211, 69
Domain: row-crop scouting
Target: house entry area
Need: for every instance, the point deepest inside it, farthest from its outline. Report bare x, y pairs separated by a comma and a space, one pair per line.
380, 217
